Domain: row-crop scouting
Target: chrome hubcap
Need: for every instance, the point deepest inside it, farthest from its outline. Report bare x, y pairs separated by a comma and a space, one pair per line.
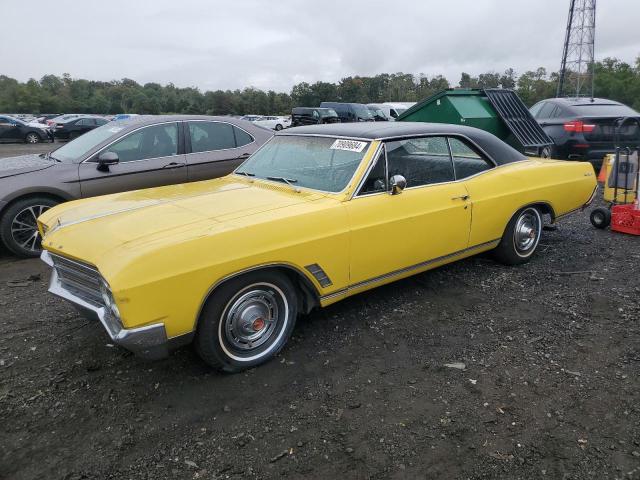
24, 227
526, 232
251, 319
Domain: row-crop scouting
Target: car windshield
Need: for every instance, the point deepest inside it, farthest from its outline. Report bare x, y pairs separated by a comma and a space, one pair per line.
607, 109
362, 111
320, 163
328, 113
78, 148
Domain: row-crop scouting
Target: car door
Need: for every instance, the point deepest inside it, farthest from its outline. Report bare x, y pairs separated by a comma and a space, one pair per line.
9, 130
491, 196
150, 156
215, 148
427, 221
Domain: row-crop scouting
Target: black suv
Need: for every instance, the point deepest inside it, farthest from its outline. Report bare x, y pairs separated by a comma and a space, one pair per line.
584, 128
15, 130
350, 112
74, 127
312, 116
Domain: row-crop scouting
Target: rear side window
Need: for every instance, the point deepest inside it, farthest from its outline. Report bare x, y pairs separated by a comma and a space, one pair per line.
150, 142
242, 137
466, 160
546, 110
535, 110
101, 121
85, 121
211, 136
421, 161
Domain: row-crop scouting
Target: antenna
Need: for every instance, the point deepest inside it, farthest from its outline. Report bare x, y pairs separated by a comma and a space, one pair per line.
577, 67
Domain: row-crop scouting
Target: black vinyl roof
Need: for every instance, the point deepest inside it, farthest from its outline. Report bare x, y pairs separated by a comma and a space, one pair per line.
500, 152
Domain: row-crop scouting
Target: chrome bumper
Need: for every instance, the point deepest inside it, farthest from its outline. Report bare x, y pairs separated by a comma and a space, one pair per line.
148, 342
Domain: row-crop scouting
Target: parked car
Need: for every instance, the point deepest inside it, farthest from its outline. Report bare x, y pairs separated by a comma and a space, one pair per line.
74, 127
15, 130
273, 122
137, 153
584, 129
390, 111
251, 118
350, 112
123, 116
316, 215
62, 118
313, 116
378, 114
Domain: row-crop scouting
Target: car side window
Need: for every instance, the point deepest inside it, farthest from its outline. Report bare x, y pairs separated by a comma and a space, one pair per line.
101, 121
210, 136
535, 110
466, 160
376, 181
421, 161
150, 142
545, 110
84, 122
242, 137
393, 113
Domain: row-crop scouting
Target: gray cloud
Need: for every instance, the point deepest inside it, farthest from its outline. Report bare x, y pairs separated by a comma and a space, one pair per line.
273, 45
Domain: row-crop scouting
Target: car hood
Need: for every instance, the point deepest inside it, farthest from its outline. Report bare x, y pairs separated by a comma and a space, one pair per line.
96, 228
11, 166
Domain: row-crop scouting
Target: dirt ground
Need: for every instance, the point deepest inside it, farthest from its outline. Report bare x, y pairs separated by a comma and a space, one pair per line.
542, 382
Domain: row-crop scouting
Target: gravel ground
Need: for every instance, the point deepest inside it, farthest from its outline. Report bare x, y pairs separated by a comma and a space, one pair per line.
473, 370
14, 149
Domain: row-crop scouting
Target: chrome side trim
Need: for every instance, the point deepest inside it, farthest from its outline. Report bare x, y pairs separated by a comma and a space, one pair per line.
411, 268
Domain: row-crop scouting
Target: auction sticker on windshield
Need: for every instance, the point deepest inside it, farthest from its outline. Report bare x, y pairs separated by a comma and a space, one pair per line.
348, 145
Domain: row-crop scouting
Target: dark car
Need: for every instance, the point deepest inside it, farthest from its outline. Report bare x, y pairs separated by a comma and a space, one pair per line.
313, 116
141, 152
378, 115
584, 128
350, 112
15, 130
74, 127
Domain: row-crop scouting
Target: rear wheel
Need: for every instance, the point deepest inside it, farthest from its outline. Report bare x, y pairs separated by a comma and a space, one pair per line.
278, 127
600, 217
18, 226
247, 321
32, 138
520, 238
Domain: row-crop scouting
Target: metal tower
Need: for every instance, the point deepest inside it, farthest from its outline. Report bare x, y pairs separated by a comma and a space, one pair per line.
577, 68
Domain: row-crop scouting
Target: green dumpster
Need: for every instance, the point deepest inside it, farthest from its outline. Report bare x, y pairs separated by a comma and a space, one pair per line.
498, 111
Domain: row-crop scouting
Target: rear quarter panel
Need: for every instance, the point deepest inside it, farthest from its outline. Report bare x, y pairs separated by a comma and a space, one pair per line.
498, 194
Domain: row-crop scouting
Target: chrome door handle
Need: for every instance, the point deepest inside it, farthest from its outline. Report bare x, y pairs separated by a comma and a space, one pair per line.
461, 197
174, 165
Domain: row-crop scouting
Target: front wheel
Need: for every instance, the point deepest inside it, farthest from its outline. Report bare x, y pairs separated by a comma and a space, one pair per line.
247, 321
18, 226
520, 238
32, 138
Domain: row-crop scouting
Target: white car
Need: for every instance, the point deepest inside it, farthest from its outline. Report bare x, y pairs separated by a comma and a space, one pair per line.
275, 123
392, 111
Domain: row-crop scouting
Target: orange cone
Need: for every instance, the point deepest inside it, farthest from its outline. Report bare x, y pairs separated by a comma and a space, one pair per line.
602, 176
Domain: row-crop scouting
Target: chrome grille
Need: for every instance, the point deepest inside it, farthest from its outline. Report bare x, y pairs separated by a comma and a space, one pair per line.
79, 279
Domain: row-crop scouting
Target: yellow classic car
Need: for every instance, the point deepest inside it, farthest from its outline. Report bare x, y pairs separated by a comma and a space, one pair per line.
317, 214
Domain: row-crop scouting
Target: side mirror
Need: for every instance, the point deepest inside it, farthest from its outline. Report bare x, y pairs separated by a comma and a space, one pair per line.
397, 184
106, 159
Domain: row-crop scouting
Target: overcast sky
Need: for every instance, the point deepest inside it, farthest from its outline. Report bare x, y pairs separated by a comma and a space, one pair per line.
278, 43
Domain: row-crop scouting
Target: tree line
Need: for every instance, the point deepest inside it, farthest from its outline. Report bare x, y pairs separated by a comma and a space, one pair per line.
614, 79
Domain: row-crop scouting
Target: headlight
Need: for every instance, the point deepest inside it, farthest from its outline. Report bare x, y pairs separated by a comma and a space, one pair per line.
107, 298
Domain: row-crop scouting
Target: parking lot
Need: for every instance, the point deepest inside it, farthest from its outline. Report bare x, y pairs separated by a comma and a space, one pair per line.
473, 370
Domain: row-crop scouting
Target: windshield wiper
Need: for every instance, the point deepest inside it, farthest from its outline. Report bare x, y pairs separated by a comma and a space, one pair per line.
288, 181
48, 156
246, 174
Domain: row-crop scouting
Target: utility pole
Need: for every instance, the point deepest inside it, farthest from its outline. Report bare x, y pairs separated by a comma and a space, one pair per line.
577, 67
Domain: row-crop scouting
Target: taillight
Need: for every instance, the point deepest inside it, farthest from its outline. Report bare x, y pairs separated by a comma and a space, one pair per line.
578, 126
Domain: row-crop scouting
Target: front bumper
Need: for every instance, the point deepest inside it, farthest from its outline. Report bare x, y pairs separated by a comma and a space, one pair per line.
148, 342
